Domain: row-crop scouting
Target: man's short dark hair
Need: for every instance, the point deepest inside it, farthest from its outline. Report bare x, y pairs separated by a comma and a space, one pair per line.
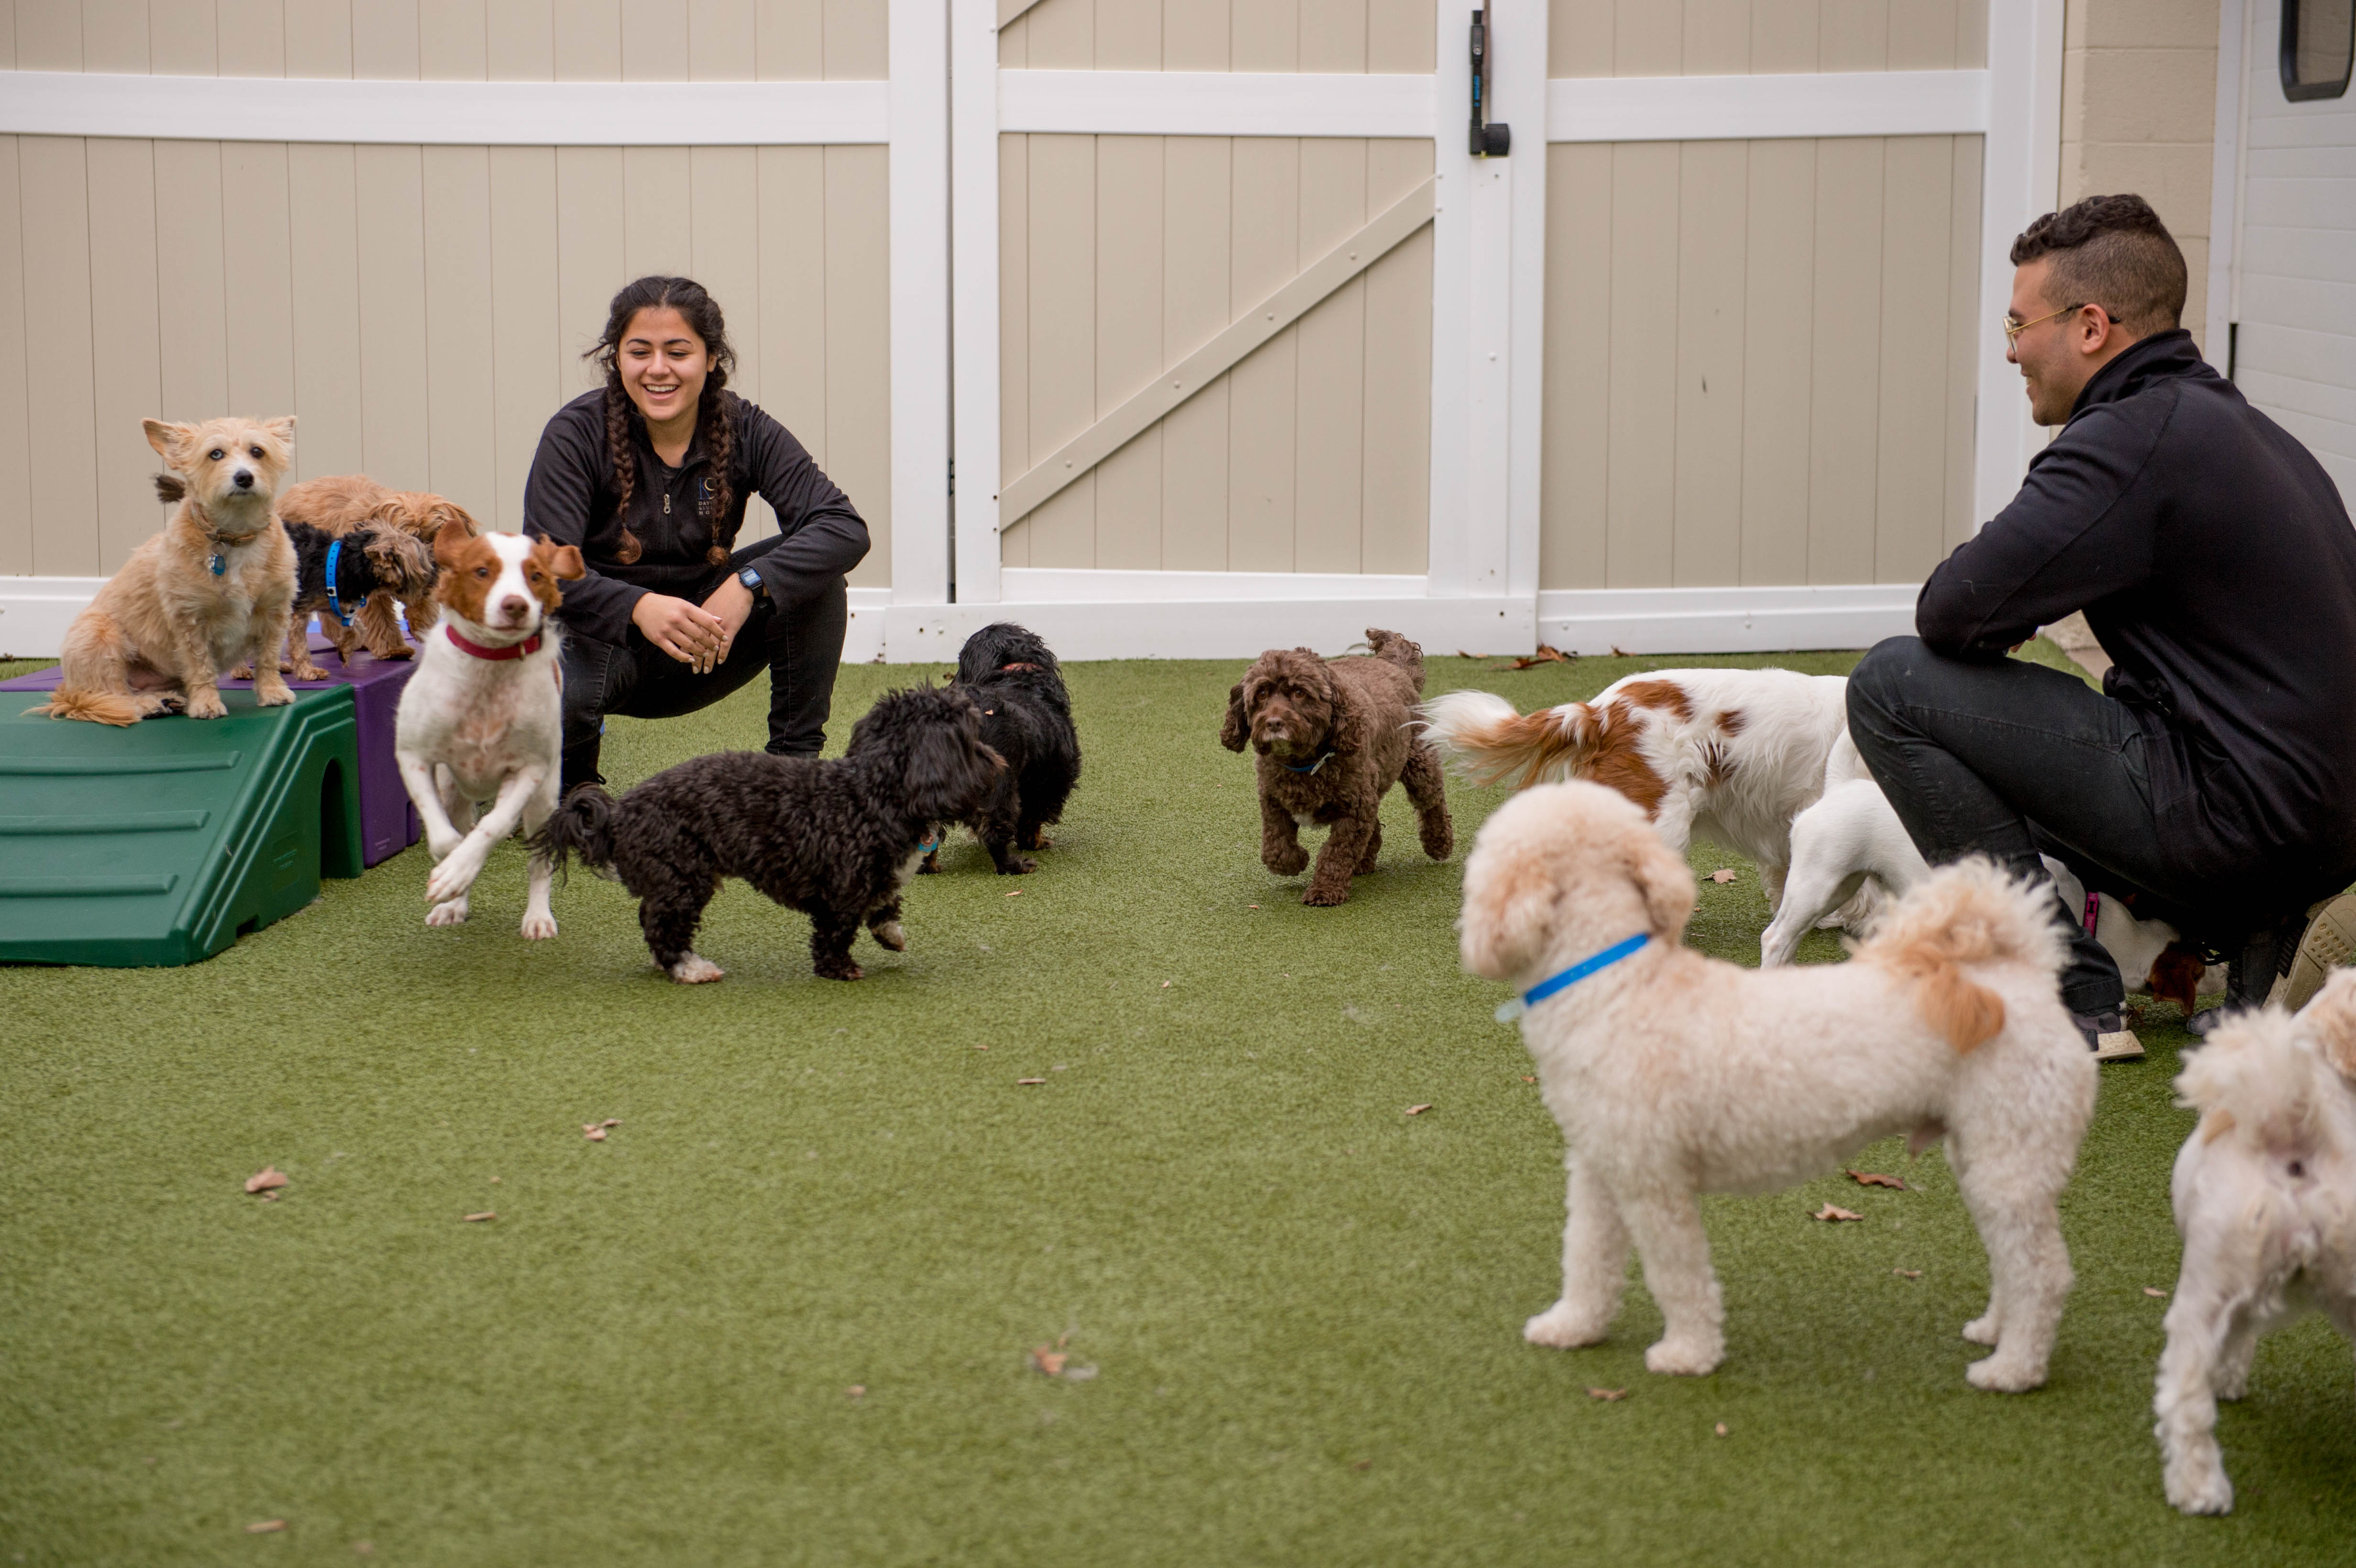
2113, 252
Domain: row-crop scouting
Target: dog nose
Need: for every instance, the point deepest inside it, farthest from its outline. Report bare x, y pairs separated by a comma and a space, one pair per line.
242, 479
512, 607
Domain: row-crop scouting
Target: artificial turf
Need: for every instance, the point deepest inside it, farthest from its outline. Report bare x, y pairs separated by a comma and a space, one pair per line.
1294, 1311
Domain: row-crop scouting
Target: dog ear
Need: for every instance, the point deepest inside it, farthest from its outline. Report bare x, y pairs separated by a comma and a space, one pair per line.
1509, 900
449, 549
283, 427
447, 514
1667, 884
564, 561
168, 440
2330, 1020
942, 782
1236, 728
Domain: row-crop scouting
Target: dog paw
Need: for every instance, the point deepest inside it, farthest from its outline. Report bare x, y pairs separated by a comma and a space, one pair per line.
399, 651
242, 672
930, 865
2196, 1482
1561, 1329
838, 971
276, 695
1288, 861
889, 934
694, 969
1017, 866
2002, 1374
539, 927
1982, 1331
311, 672
1326, 897
206, 704
454, 876
1684, 1358
453, 912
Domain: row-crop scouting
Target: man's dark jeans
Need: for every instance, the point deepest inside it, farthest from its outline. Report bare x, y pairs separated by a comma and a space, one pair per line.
801, 647
2009, 760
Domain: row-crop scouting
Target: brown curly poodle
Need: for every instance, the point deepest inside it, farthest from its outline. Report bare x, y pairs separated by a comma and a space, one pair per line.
1333, 736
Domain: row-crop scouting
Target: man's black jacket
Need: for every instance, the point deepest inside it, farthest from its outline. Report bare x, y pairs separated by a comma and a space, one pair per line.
2216, 563
569, 499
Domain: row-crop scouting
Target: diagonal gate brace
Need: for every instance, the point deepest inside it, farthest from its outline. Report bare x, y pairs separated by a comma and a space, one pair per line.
1215, 358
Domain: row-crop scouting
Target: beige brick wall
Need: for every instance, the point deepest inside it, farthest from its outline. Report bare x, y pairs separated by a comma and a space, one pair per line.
2139, 113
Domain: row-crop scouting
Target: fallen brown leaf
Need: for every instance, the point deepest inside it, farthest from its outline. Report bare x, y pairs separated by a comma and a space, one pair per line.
267, 1527
1462, 654
486, 1214
1527, 1079
1251, 906
1049, 1361
594, 1133
1417, 1110
1721, 1429
1029, 1080
1363, 1465
1875, 1178
981, 1048
1545, 655
1619, 652
1015, 894
1609, 1395
262, 1180
2162, 1294
1830, 1211
1721, 875
856, 1390
266, 1198
1165, 985
1907, 1273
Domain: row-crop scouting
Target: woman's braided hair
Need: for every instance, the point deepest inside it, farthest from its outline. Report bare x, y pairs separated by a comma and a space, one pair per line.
715, 422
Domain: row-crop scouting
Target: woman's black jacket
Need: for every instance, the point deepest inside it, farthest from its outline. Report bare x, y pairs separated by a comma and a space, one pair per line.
570, 499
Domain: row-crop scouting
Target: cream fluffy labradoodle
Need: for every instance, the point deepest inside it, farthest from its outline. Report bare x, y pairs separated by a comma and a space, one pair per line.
2265, 1197
1674, 1074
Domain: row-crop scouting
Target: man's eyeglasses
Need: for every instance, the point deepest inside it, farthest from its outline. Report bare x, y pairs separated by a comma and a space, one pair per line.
2013, 329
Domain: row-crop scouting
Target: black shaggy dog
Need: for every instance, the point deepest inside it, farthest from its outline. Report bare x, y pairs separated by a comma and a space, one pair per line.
834, 839
1026, 718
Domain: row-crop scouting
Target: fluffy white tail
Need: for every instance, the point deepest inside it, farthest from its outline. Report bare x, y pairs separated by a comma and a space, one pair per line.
1962, 914
1490, 740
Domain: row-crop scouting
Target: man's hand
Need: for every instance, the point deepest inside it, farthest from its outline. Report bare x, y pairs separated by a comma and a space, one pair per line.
732, 603
691, 635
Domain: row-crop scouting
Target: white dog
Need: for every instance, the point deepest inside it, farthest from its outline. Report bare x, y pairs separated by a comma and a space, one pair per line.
1729, 756
1671, 1074
1851, 838
482, 719
2266, 1198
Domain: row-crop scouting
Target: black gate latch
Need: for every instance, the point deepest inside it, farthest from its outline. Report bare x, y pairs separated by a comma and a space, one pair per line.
1488, 141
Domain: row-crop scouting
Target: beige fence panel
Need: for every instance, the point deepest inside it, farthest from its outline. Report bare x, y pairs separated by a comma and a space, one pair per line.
1120, 256
421, 310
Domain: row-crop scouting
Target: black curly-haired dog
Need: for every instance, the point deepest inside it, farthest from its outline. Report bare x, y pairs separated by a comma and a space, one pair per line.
1026, 718
835, 840
372, 555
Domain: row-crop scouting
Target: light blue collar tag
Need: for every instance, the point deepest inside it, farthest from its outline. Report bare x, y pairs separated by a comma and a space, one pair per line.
1508, 1011
334, 601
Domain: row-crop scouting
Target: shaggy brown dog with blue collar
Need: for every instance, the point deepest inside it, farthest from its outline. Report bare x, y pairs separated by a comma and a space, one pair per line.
1333, 736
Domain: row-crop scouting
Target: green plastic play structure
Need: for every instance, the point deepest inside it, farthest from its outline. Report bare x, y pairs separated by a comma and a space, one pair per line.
163, 843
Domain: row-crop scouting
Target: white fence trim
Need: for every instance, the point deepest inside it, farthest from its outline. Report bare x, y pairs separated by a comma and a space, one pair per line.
445, 114
1219, 614
1754, 107
2021, 178
973, 285
919, 234
1725, 620
1216, 104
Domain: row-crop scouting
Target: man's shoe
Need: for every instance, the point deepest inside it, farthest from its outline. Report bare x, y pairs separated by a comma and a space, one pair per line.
2108, 1036
2330, 942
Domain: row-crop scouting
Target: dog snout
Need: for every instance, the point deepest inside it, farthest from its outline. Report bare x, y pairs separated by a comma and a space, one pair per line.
242, 478
513, 609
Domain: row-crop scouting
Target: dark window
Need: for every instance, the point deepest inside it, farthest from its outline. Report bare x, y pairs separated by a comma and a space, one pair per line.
2319, 40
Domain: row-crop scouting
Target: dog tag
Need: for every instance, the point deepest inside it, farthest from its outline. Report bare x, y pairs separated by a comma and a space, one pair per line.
1508, 1011
219, 564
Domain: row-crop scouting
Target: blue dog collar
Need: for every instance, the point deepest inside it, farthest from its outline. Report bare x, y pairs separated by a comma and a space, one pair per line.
1508, 1011
335, 551
1313, 766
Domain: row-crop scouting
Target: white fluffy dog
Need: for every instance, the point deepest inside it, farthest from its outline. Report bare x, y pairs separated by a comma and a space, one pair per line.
2265, 1197
1673, 1075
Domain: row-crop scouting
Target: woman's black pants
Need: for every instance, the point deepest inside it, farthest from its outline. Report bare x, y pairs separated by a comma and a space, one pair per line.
800, 647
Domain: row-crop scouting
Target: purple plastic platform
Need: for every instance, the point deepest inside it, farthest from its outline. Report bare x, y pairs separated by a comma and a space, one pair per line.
388, 822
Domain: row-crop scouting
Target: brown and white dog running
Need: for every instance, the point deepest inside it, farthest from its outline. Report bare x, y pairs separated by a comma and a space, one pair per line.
1726, 755
482, 718
212, 591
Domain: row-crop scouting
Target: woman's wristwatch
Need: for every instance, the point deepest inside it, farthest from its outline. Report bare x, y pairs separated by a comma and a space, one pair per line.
751, 580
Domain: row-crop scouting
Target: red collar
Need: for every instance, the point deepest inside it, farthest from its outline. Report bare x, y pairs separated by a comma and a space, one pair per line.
524, 650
